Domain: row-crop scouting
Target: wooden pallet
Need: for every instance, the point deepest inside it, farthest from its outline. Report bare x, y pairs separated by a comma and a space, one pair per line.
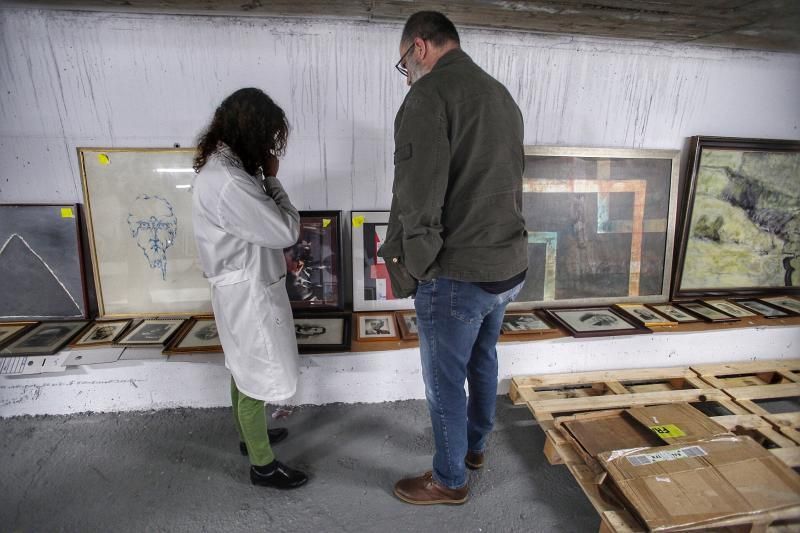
550, 395
765, 433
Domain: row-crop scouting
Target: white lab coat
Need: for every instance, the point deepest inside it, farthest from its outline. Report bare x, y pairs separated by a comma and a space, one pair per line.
240, 233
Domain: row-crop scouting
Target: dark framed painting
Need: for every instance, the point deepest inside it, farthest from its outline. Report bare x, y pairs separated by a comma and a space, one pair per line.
645, 316
740, 233
372, 290
674, 313
524, 323
101, 333
47, 338
199, 334
11, 330
41, 263
151, 332
376, 327
600, 225
318, 332
314, 263
409, 329
763, 308
706, 312
599, 321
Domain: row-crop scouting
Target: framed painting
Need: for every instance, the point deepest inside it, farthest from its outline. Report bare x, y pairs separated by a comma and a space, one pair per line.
151, 332
314, 263
645, 316
47, 338
372, 290
674, 313
739, 233
764, 309
600, 321
729, 308
376, 327
139, 216
199, 334
600, 225
41, 263
407, 320
11, 330
522, 323
706, 312
783, 302
101, 333
329, 332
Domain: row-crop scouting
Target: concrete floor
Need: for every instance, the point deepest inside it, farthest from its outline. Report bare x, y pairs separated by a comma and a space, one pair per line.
180, 470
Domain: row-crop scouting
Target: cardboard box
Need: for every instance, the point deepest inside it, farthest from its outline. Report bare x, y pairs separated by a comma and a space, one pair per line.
700, 483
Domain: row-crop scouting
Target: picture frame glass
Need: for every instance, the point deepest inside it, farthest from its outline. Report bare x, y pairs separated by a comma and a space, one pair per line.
203, 333
523, 323
674, 313
7, 331
410, 326
784, 302
761, 308
593, 320
644, 314
311, 331
152, 331
377, 327
102, 332
730, 308
45, 338
314, 263
705, 311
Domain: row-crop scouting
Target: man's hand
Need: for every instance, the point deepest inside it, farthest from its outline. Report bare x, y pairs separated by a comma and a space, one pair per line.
271, 167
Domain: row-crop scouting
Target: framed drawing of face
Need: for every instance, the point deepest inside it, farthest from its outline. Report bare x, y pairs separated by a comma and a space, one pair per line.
376, 327
739, 234
11, 330
784, 302
600, 225
101, 333
139, 216
314, 263
407, 320
707, 313
41, 263
762, 308
199, 334
644, 315
520, 323
372, 290
151, 332
595, 322
729, 308
46, 338
322, 332
675, 313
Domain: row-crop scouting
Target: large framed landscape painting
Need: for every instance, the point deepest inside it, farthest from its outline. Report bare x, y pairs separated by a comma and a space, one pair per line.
600, 225
740, 234
139, 215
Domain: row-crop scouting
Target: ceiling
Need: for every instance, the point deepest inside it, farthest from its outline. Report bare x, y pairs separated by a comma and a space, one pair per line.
751, 24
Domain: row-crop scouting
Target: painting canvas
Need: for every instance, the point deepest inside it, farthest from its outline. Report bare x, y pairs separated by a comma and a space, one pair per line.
595, 322
152, 331
376, 326
45, 339
741, 232
101, 333
314, 263
199, 334
600, 225
139, 213
322, 332
522, 323
372, 289
41, 265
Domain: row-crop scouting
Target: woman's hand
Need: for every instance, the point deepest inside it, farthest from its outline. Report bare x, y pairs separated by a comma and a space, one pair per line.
272, 166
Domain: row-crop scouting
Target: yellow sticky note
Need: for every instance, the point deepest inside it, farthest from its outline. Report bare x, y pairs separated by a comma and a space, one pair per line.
326, 222
67, 212
103, 159
358, 221
668, 430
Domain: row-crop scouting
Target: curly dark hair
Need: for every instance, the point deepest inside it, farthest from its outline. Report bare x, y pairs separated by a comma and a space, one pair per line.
251, 124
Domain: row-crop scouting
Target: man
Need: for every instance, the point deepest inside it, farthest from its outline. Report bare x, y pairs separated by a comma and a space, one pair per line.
456, 238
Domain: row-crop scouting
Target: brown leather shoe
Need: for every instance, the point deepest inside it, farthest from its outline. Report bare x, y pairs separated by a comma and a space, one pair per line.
474, 460
424, 490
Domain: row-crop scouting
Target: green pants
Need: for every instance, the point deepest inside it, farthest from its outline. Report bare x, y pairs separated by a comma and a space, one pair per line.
251, 422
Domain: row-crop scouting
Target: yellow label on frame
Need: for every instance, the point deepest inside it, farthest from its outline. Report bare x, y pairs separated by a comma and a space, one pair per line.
358, 221
67, 212
326, 222
668, 430
103, 159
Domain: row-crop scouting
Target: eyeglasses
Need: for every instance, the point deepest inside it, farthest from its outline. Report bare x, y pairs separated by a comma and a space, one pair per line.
401, 68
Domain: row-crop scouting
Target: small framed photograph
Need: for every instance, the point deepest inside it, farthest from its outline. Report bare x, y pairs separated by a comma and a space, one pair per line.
645, 316
595, 322
11, 330
762, 308
709, 314
101, 333
151, 332
45, 339
675, 313
376, 327
729, 308
322, 332
199, 334
520, 323
407, 320
786, 303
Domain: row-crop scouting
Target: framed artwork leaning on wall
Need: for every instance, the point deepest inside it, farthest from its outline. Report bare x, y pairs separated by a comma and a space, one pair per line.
322, 332
46, 338
600, 321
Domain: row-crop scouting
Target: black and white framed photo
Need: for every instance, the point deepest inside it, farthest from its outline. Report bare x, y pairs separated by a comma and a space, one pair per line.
595, 322
101, 333
45, 339
327, 332
407, 320
729, 308
151, 332
11, 330
762, 308
372, 290
707, 313
199, 334
645, 316
520, 323
314, 263
675, 313
787, 303
376, 327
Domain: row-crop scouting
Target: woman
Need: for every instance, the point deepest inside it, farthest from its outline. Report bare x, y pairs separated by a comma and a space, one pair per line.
243, 220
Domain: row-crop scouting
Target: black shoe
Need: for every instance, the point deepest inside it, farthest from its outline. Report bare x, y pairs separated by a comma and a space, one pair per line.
275, 436
277, 475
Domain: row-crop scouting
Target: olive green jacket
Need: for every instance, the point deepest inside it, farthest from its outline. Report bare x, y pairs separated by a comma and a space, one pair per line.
457, 192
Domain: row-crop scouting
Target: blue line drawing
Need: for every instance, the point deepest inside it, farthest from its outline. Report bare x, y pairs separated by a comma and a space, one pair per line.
153, 224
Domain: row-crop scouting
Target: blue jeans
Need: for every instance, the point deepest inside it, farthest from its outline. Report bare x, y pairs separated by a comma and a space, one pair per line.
459, 324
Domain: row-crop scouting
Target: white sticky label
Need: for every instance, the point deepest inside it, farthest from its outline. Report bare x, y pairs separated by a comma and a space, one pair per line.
671, 455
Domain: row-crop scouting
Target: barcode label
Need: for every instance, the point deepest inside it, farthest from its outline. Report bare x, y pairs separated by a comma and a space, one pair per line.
670, 455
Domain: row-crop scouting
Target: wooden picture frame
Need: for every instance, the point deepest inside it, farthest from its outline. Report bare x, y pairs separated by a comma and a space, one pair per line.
735, 236
314, 265
675, 313
787, 303
524, 323
9, 331
705, 312
375, 327
729, 308
598, 321
101, 333
151, 332
763, 308
46, 338
322, 332
198, 334
407, 321
644, 315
